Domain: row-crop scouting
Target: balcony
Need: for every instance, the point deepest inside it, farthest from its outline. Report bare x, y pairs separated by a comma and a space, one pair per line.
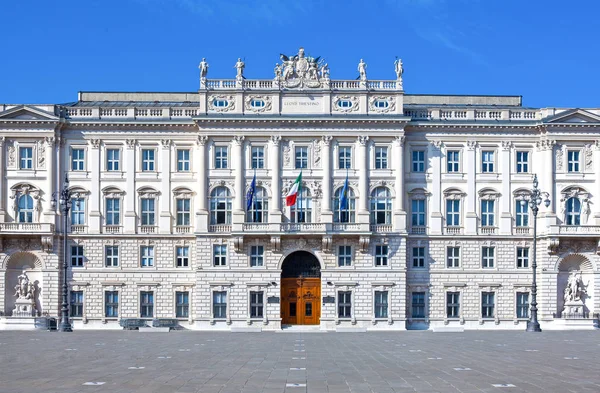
26, 227
418, 230
487, 230
183, 229
78, 228
524, 231
112, 229
574, 230
349, 227
148, 229
453, 230
303, 227
381, 228
219, 228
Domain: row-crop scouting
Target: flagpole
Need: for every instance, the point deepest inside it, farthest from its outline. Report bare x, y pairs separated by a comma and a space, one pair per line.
254, 196
300, 192
346, 197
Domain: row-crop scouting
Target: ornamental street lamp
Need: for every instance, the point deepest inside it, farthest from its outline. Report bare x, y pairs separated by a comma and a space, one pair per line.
534, 200
64, 203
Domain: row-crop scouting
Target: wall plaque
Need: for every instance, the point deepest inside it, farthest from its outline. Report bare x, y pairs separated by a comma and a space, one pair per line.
301, 104
273, 299
328, 299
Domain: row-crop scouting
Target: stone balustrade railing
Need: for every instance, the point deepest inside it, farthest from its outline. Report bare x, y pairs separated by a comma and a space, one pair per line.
26, 227
577, 230
471, 114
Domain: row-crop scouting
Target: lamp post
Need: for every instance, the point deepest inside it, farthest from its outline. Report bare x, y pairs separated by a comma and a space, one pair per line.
534, 200
64, 204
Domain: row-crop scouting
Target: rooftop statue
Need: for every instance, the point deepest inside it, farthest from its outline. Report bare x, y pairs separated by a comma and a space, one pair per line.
203, 68
239, 65
362, 70
399, 69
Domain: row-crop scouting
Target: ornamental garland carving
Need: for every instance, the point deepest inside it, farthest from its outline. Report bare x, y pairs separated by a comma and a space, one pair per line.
287, 153
228, 99
589, 160
41, 154
266, 184
12, 155
317, 153
352, 108
352, 184
559, 157
382, 183
391, 101
266, 108
220, 183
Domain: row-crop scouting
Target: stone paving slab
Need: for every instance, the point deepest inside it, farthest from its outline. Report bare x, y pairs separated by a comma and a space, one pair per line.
220, 362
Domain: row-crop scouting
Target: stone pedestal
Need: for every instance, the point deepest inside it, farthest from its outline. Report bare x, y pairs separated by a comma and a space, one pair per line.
24, 308
573, 309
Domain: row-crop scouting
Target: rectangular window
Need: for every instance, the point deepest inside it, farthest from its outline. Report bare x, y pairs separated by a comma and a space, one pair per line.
183, 211
344, 304
487, 213
381, 157
453, 161
111, 256
301, 154
146, 304
256, 304
113, 160
219, 254
182, 304
257, 256
522, 216
487, 161
418, 257
418, 304
522, 162
487, 257
148, 163
345, 256
183, 256
78, 211
418, 213
344, 157
183, 160
77, 256
221, 157
487, 304
381, 255
77, 159
522, 257
26, 157
522, 304
453, 257
147, 256
111, 304
258, 157
452, 304
452, 212
147, 215
76, 304
573, 160
113, 211
418, 161
381, 304
220, 304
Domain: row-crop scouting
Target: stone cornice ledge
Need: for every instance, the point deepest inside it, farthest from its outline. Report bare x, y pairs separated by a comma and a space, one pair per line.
345, 284
455, 284
220, 283
489, 284
382, 283
113, 283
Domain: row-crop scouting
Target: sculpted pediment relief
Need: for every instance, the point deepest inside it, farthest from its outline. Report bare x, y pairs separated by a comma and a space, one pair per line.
23, 112
574, 116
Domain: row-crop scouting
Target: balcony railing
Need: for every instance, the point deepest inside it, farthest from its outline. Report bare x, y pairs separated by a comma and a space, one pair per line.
112, 229
219, 228
453, 230
381, 228
346, 227
523, 231
575, 229
26, 227
78, 228
418, 230
257, 227
487, 230
303, 227
183, 229
147, 229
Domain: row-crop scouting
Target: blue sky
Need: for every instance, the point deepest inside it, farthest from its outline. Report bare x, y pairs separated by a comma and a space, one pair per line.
546, 51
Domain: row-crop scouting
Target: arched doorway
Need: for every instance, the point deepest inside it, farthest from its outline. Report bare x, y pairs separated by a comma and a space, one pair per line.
300, 289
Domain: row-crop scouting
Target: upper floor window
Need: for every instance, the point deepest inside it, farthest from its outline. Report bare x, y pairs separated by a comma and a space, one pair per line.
418, 213
487, 257
381, 255
573, 211
452, 212
522, 161
344, 208
147, 213
258, 157
301, 154
453, 257
219, 254
418, 161
26, 157
418, 257
78, 211
257, 254
183, 256
487, 161
77, 159
113, 160
453, 161
77, 256
301, 211
25, 208
259, 209
147, 256
573, 160
345, 157
113, 211
220, 206
487, 213
183, 212
381, 157
381, 206
183, 160
221, 157
148, 162
522, 216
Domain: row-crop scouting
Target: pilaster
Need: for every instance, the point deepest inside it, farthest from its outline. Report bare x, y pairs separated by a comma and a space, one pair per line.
363, 180
2, 177
275, 164
95, 195
505, 198
398, 160
471, 198
131, 168
201, 195
546, 175
435, 154
237, 158
326, 212
165, 221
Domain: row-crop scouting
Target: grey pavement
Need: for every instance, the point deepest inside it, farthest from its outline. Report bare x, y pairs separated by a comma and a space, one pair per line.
219, 362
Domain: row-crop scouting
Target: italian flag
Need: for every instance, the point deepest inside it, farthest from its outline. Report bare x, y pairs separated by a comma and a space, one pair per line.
290, 199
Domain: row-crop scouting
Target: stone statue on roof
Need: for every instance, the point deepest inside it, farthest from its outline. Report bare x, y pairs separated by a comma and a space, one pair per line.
203, 68
277, 71
362, 70
240, 65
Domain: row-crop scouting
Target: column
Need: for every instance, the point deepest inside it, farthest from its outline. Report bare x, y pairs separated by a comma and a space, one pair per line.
398, 161
326, 213
275, 166
596, 190
435, 154
129, 205
506, 196
2, 174
95, 193
237, 161
363, 180
201, 195
165, 221
49, 151
545, 171
471, 198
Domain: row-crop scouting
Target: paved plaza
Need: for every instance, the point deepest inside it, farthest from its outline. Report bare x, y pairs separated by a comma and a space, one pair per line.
104, 361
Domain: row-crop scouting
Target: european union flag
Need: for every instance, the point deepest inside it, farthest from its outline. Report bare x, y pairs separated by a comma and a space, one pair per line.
344, 196
250, 193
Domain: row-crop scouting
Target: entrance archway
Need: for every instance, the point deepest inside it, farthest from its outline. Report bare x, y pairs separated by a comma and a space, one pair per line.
300, 289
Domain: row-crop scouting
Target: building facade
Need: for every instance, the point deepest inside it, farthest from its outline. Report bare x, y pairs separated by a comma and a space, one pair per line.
435, 231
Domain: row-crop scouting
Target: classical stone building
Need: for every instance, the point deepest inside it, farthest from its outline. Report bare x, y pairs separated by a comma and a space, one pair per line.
435, 233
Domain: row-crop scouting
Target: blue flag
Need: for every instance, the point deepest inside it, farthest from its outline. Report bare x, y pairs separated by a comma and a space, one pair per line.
251, 192
344, 196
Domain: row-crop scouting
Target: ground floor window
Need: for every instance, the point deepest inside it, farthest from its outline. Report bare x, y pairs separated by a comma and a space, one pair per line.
220, 304
182, 304
452, 304
146, 304
76, 304
418, 304
256, 304
111, 304
487, 304
381, 304
344, 304
522, 304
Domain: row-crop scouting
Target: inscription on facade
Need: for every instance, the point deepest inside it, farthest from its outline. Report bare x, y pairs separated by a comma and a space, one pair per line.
306, 104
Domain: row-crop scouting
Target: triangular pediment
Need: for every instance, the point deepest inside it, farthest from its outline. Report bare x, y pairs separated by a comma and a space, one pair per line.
574, 116
23, 112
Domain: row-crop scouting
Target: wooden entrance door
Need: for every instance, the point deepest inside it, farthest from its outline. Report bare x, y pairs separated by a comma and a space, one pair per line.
300, 301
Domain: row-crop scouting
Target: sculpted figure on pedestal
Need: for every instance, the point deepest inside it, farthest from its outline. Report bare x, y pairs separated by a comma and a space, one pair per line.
203, 68
277, 71
398, 68
575, 289
22, 288
362, 70
239, 66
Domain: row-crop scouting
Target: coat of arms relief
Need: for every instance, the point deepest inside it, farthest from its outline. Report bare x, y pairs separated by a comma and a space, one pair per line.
300, 71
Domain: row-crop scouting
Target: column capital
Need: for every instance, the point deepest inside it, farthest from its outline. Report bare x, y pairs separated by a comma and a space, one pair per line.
2, 140
50, 141
131, 143
437, 144
471, 145
239, 139
326, 139
545, 144
166, 143
399, 140
275, 140
202, 140
507, 145
95, 143
363, 139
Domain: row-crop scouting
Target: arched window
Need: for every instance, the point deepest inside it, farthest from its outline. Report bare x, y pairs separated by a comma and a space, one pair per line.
573, 211
347, 212
259, 210
25, 208
302, 210
220, 206
381, 206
